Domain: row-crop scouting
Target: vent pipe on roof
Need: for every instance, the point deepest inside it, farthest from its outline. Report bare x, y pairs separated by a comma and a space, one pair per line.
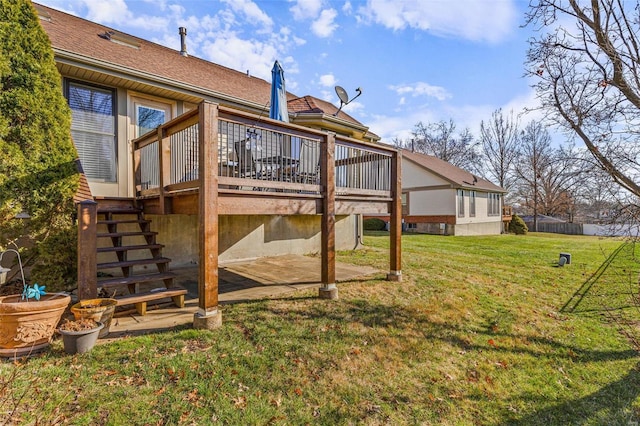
183, 41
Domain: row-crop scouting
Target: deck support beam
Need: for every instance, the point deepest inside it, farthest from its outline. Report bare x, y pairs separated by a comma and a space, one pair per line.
328, 289
87, 250
209, 315
395, 221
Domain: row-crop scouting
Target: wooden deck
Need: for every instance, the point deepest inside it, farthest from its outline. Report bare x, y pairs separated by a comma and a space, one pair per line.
217, 161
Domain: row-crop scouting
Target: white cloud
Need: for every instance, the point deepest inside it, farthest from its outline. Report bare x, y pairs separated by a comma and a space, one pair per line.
241, 55
117, 12
325, 25
253, 14
401, 123
306, 9
328, 80
422, 89
472, 20
353, 107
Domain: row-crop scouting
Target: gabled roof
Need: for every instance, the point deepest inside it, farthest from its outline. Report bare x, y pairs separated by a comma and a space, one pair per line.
324, 113
310, 104
459, 178
98, 45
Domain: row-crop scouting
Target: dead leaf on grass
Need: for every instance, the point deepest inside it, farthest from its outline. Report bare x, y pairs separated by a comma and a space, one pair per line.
276, 402
240, 402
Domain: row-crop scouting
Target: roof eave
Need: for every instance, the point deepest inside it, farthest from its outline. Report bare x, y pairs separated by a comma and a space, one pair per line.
74, 59
330, 122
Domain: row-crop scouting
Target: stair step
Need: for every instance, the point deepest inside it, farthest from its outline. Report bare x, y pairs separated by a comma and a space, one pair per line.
130, 248
136, 262
140, 300
126, 234
116, 221
135, 279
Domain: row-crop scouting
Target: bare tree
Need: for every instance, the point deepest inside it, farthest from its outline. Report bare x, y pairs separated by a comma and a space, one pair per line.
548, 176
535, 158
588, 77
499, 141
441, 140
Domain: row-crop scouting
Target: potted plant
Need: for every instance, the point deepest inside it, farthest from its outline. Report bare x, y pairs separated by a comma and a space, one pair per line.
100, 310
28, 321
80, 336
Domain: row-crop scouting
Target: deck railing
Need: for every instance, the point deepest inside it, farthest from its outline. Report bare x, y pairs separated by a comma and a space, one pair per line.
259, 154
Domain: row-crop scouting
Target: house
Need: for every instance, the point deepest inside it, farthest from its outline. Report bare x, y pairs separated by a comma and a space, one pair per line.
439, 198
182, 148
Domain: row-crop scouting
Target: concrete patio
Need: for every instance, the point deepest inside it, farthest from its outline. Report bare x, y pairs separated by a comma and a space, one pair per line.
238, 281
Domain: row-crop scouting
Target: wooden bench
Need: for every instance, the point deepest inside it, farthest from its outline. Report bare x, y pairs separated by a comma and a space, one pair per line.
140, 299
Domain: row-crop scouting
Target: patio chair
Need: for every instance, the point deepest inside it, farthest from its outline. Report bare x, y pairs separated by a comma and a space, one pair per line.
249, 164
308, 170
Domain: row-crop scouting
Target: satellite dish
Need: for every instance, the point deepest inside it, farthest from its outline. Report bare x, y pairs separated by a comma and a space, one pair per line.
344, 98
342, 94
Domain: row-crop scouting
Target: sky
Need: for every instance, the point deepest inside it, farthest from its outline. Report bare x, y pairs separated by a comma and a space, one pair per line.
415, 60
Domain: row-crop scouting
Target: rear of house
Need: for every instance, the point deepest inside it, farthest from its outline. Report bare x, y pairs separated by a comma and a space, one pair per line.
120, 87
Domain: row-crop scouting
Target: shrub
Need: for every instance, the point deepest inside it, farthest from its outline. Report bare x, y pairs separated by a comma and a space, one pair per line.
517, 225
374, 224
38, 173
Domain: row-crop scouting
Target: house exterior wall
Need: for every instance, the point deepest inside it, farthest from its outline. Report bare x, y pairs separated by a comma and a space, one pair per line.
437, 202
249, 237
413, 176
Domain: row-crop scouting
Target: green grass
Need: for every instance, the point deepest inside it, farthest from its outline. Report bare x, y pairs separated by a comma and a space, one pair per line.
482, 330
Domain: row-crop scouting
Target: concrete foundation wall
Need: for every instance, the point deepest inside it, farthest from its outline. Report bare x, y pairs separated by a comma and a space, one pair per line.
482, 228
248, 237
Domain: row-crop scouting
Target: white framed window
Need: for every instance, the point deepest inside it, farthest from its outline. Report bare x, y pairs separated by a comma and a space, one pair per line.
93, 128
460, 203
493, 204
472, 203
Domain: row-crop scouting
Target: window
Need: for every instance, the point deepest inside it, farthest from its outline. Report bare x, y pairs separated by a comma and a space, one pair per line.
472, 203
493, 205
460, 203
405, 203
93, 128
148, 118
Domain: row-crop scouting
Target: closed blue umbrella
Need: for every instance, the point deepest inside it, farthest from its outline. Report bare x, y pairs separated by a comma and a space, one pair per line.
278, 109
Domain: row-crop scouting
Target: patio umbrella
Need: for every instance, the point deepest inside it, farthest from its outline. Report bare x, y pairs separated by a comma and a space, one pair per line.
278, 109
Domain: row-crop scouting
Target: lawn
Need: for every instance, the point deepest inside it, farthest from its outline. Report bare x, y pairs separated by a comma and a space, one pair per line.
482, 330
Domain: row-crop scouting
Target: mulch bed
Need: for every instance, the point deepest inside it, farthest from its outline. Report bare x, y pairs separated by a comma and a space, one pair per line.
13, 287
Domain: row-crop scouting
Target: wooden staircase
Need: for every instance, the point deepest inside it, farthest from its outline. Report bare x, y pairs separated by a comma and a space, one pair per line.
137, 272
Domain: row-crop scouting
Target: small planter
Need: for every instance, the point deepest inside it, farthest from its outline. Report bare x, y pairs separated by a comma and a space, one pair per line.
80, 336
26, 326
99, 310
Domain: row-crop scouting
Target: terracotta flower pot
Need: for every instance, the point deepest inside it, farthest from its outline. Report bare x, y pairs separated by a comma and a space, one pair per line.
79, 342
100, 310
26, 326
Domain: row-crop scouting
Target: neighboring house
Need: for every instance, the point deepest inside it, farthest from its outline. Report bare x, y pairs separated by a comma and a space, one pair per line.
439, 198
187, 143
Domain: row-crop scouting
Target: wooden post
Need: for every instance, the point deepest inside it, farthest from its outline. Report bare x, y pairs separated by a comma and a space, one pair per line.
164, 165
395, 220
328, 290
87, 250
208, 315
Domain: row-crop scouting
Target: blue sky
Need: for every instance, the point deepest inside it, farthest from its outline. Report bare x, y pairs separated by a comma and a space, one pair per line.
415, 60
